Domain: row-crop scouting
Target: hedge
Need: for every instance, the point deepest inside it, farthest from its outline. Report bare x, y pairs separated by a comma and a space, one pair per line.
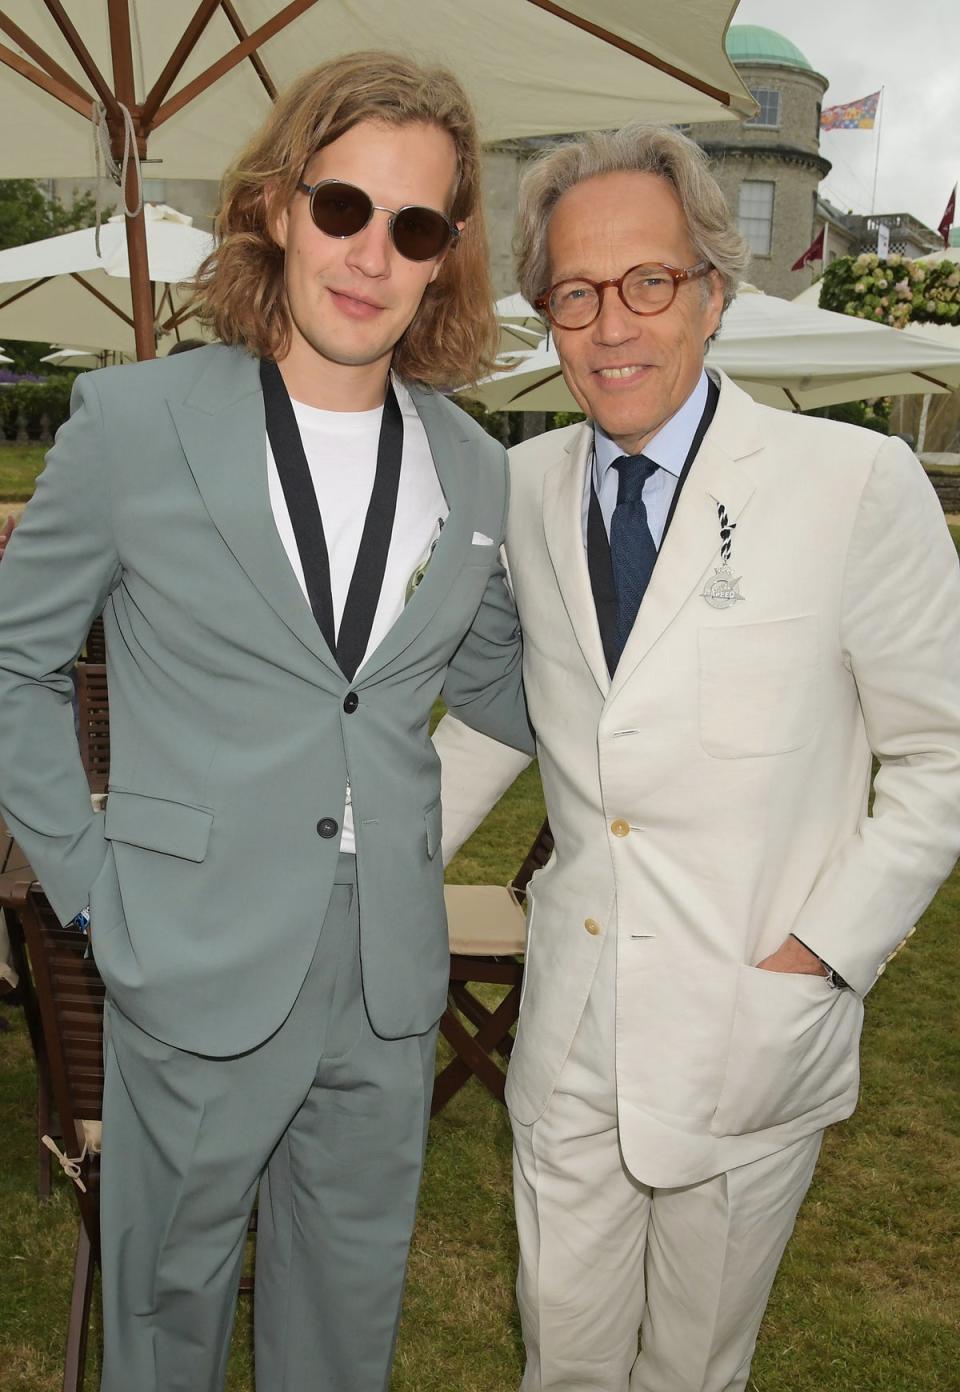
24, 405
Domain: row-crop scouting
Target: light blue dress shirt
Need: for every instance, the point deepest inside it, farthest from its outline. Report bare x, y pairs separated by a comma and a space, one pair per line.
668, 448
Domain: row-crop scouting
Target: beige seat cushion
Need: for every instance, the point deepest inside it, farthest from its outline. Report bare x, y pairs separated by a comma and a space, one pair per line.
484, 921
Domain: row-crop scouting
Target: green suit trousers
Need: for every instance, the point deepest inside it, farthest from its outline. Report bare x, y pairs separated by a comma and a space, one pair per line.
329, 1120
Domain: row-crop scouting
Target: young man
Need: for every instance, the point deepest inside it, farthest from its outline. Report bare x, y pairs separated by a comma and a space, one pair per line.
265, 891
727, 610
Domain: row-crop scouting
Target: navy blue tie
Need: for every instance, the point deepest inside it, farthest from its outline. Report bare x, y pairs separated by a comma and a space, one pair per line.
632, 550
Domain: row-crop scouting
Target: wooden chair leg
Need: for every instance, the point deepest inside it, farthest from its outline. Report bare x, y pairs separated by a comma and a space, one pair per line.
76, 1355
44, 1158
473, 1052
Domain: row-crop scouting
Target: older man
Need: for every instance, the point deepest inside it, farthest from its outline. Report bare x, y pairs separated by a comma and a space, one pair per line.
727, 611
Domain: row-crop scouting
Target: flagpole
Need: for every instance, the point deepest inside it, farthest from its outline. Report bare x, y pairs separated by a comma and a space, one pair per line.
876, 162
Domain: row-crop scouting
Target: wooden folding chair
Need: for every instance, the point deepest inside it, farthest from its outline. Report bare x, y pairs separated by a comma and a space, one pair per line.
71, 999
15, 875
487, 940
70, 995
93, 723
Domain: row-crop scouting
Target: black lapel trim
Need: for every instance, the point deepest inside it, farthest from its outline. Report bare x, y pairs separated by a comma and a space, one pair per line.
363, 596
709, 410
366, 582
600, 567
300, 495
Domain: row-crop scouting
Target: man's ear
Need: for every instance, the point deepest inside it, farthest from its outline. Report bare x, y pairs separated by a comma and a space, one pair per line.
443, 256
277, 217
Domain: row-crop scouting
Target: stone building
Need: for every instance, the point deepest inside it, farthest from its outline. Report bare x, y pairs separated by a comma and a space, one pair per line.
770, 166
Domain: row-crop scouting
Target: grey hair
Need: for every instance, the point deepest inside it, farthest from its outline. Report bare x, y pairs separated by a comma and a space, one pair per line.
635, 148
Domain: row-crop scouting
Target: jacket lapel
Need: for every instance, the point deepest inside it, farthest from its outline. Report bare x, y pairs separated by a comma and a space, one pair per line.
563, 527
453, 456
692, 546
222, 430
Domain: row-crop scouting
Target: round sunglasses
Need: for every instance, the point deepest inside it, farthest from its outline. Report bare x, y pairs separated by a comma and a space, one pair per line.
342, 210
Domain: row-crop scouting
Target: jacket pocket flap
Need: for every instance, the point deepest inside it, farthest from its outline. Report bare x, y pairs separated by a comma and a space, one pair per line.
157, 824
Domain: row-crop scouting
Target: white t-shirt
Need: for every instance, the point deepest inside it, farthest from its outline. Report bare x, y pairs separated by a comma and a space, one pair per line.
341, 451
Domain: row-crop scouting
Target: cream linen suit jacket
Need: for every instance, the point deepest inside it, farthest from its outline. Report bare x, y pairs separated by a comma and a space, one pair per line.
713, 797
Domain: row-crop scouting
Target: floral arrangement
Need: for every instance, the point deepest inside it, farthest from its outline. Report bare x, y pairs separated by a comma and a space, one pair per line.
893, 290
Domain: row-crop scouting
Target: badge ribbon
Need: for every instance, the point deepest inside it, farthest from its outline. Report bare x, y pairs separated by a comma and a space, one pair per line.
722, 590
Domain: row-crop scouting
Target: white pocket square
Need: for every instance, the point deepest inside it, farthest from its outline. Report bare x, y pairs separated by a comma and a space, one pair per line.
480, 540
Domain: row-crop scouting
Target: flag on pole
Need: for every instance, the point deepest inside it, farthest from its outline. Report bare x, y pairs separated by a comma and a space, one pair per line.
814, 252
858, 115
946, 222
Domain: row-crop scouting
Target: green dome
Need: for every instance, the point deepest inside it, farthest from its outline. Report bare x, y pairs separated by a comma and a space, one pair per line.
750, 43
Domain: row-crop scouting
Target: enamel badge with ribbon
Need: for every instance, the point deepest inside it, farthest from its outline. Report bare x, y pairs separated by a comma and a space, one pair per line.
722, 590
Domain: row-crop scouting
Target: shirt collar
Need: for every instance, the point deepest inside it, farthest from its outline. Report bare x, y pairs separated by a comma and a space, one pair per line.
671, 444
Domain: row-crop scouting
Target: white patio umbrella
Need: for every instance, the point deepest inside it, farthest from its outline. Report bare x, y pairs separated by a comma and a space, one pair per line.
4, 360
59, 290
187, 81
81, 357
784, 354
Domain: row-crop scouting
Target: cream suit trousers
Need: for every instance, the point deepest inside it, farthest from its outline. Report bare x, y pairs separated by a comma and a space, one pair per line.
603, 1257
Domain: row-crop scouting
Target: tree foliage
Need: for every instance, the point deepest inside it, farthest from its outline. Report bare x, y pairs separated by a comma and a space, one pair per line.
29, 214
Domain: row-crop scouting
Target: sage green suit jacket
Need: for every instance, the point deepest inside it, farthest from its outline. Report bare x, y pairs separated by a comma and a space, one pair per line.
207, 878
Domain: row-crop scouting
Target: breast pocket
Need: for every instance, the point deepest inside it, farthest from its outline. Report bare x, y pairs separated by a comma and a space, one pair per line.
759, 687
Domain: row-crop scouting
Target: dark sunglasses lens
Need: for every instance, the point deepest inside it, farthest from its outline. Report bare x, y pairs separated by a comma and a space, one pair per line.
420, 233
340, 210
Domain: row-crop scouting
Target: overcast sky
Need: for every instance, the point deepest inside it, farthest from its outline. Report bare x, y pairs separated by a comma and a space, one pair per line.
908, 47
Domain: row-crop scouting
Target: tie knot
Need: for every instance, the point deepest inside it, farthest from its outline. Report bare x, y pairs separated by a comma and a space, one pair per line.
634, 470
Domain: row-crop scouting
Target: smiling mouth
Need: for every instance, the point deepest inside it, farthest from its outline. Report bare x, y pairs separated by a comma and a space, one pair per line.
358, 302
614, 374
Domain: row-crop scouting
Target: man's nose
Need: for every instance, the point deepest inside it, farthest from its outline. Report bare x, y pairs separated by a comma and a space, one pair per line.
615, 322
371, 249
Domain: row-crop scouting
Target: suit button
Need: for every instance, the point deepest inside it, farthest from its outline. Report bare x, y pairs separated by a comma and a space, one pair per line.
592, 926
620, 827
350, 702
327, 828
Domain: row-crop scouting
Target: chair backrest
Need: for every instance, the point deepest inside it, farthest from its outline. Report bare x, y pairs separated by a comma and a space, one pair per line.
538, 855
93, 717
70, 994
96, 644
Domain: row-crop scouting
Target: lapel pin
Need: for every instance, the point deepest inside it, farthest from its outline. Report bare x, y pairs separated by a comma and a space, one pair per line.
722, 590
416, 579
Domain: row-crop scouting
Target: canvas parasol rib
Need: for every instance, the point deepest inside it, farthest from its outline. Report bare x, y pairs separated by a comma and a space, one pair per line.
69, 95
40, 56
230, 60
188, 42
625, 46
82, 54
256, 62
75, 275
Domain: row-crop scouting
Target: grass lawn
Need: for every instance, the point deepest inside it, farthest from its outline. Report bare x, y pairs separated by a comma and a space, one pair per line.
19, 466
866, 1300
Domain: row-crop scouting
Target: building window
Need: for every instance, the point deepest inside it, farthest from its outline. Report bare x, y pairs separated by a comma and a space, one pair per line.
756, 214
769, 113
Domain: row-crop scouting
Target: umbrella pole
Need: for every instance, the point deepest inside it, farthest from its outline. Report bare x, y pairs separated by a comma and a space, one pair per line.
140, 288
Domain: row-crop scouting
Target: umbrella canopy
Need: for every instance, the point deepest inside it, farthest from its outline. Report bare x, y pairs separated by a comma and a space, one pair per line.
80, 357
4, 360
784, 354
188, 82
205, 73
59, 290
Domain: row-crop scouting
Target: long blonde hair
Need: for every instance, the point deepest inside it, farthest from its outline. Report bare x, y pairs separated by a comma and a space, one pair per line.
239, 288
